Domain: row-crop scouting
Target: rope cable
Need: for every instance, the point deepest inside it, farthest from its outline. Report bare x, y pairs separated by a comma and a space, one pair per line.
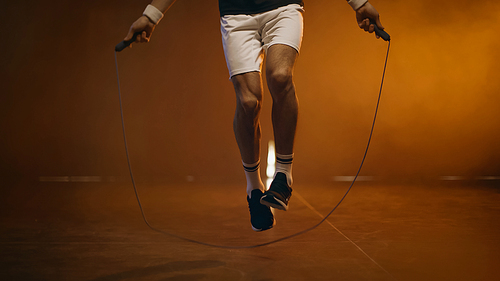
255, 245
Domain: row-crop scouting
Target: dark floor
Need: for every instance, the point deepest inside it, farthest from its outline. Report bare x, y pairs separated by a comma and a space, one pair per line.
94, 231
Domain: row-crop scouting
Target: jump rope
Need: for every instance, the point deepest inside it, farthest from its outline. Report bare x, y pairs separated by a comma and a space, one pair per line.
122, 45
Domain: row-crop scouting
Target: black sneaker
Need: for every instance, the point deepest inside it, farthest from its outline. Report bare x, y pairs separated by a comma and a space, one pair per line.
278, 194
261, 217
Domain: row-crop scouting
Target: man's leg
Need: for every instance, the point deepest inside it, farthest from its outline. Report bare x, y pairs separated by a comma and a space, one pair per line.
279, 69
246, 124
248, 88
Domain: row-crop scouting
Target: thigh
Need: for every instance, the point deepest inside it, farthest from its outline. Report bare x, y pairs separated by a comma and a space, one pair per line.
242, 44
248, 86
280, 60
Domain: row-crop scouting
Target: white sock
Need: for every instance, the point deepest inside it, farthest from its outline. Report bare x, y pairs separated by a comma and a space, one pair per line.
252, 173
284, 165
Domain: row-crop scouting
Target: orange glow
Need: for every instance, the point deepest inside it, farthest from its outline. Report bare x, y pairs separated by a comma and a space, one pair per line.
271, 163
439, 113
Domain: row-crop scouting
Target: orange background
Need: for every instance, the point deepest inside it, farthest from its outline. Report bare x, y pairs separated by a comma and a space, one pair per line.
439, 113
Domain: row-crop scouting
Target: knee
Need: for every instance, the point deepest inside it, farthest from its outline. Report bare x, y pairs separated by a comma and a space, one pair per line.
248, 90
280, 81
250, 104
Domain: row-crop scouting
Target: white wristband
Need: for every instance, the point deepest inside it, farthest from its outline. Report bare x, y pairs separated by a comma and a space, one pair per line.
153, 14
356, 4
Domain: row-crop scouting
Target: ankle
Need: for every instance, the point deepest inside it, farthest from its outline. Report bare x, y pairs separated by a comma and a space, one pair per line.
284, 165
252, 174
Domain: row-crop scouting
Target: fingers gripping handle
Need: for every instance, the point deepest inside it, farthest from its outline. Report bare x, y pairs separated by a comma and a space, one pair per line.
124, 44
384, 35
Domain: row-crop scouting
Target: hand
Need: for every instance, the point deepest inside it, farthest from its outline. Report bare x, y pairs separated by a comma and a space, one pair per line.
142, 25
363, 16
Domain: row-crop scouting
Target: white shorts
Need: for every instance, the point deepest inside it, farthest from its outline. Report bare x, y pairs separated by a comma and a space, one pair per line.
245, 38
